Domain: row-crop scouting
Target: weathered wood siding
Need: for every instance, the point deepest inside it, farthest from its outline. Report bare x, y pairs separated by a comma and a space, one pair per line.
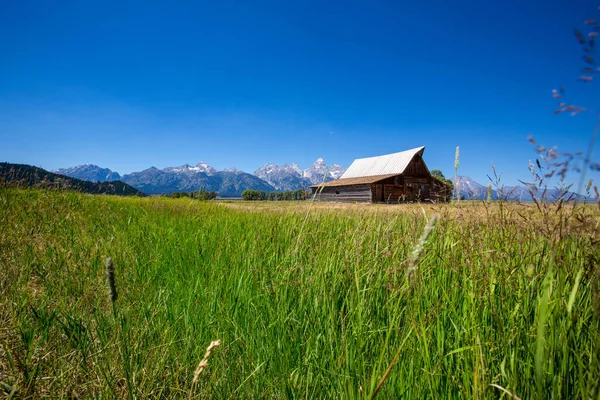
416, 168
403, 188
344, 194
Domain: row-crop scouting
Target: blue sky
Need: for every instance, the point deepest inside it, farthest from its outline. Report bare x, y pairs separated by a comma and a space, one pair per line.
129, 85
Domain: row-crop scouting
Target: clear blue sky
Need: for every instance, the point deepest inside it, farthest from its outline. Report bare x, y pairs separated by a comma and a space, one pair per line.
129, 85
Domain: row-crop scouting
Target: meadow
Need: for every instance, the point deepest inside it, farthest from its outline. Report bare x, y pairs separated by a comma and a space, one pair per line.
307, 300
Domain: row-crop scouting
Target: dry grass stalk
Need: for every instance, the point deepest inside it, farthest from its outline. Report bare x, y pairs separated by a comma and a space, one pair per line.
389, 368
204, 362
505, 391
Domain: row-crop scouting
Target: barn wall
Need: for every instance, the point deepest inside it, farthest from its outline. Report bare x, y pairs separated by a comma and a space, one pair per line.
412, 189
344, 194
402, 189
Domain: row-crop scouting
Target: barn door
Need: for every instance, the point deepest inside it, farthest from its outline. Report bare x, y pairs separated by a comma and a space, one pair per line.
378, 197
425, 192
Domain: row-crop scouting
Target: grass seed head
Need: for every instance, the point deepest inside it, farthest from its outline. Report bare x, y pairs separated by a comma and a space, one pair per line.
110, 280
456, 182
456, 158
418, 250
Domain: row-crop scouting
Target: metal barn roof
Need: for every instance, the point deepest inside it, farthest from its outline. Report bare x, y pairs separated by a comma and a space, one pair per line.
389, 164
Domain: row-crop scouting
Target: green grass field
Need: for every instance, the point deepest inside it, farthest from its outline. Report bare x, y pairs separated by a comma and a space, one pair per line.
309, 300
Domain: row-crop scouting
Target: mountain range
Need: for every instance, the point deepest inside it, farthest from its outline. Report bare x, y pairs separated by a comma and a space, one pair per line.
186, 178
227, 183
471, 190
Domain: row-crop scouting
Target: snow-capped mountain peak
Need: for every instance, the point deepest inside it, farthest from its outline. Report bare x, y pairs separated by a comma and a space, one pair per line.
291, 176
294, 167
204, 167
320, 172
469, 188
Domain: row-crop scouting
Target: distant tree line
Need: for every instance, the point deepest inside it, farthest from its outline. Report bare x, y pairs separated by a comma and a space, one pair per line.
201, 194
288, 195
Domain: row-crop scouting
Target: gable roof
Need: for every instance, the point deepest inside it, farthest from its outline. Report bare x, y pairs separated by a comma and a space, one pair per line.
389, 164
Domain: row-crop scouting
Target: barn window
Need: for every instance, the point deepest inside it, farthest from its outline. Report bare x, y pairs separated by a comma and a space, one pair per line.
337, 192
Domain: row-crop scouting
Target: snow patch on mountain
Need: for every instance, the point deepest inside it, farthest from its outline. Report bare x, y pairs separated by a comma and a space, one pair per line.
188, 169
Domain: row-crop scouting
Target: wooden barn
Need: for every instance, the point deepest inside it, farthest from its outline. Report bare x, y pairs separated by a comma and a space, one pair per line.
392, 178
